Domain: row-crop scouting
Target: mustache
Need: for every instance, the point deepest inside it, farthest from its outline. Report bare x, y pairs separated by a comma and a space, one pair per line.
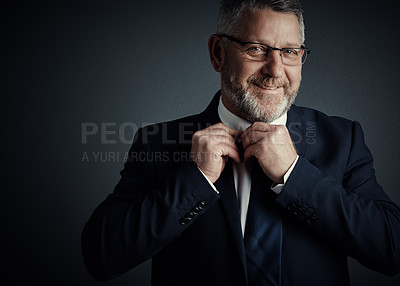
266, 81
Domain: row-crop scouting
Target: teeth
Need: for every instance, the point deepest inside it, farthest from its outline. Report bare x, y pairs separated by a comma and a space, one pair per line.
267, 87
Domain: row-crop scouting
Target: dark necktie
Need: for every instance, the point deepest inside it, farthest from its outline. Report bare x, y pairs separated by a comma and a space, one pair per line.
263, 233
240, 147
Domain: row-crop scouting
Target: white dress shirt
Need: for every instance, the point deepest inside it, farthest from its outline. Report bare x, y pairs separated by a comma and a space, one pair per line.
242, 171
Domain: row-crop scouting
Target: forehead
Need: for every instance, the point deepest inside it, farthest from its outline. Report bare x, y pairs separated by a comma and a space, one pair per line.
270, 27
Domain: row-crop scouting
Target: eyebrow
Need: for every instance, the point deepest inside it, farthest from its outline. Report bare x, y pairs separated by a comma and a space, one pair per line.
287, 45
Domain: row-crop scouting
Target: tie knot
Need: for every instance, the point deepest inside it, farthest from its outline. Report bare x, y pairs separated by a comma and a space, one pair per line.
240, 147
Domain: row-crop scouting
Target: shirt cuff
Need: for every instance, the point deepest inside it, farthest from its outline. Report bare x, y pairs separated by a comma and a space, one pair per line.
211, 184
277, 188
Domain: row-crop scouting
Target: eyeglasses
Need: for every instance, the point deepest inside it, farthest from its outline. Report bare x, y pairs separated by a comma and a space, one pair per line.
260, 52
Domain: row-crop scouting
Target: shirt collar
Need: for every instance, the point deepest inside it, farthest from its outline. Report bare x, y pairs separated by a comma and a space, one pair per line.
235, 122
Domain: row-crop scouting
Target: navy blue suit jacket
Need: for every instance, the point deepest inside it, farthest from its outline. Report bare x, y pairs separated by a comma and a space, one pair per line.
163, 208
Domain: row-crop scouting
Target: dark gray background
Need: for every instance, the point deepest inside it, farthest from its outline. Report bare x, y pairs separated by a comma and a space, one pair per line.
67, 63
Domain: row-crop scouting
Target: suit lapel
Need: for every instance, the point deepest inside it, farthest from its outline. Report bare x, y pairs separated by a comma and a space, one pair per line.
296, 126
297, 130
225, 185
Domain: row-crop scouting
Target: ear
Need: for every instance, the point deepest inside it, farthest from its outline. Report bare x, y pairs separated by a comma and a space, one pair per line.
216, 52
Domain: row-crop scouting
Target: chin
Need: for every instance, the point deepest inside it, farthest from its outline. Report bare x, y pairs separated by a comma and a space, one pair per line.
264, 108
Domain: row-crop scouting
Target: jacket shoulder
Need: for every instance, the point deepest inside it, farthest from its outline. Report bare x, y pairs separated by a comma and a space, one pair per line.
314, 114
312, 117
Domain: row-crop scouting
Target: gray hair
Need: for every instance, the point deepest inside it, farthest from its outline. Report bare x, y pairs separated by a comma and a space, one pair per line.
230, 12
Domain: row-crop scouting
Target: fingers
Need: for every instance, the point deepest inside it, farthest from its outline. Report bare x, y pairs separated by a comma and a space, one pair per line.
204, 155
261, 126
232, 153
218, 138
220, 129
272, 146
271, 134
210, 145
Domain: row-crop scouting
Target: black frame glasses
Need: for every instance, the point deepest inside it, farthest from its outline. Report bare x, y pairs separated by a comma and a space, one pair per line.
289, 56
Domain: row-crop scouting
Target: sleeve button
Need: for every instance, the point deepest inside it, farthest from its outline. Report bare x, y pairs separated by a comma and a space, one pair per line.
291, 207
183, 221
202, 205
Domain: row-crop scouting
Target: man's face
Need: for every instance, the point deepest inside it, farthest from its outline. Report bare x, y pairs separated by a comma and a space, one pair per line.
261, 91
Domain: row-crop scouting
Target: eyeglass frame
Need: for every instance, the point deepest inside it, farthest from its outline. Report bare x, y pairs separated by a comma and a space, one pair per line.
270, 48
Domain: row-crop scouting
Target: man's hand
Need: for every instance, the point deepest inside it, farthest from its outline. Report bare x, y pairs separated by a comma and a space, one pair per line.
210, 145
272, 146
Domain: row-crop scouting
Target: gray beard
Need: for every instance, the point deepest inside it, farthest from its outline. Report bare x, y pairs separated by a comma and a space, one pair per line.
246, 103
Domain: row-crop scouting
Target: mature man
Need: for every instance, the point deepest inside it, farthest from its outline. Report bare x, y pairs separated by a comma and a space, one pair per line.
258, 203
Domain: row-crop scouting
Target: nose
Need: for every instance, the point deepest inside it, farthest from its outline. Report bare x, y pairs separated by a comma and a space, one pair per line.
273, 66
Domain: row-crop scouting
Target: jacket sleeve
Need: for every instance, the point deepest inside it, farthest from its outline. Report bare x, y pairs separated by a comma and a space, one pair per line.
353, 213
144, 213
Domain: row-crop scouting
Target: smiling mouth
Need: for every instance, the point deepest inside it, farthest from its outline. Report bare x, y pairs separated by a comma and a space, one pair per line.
267, 87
